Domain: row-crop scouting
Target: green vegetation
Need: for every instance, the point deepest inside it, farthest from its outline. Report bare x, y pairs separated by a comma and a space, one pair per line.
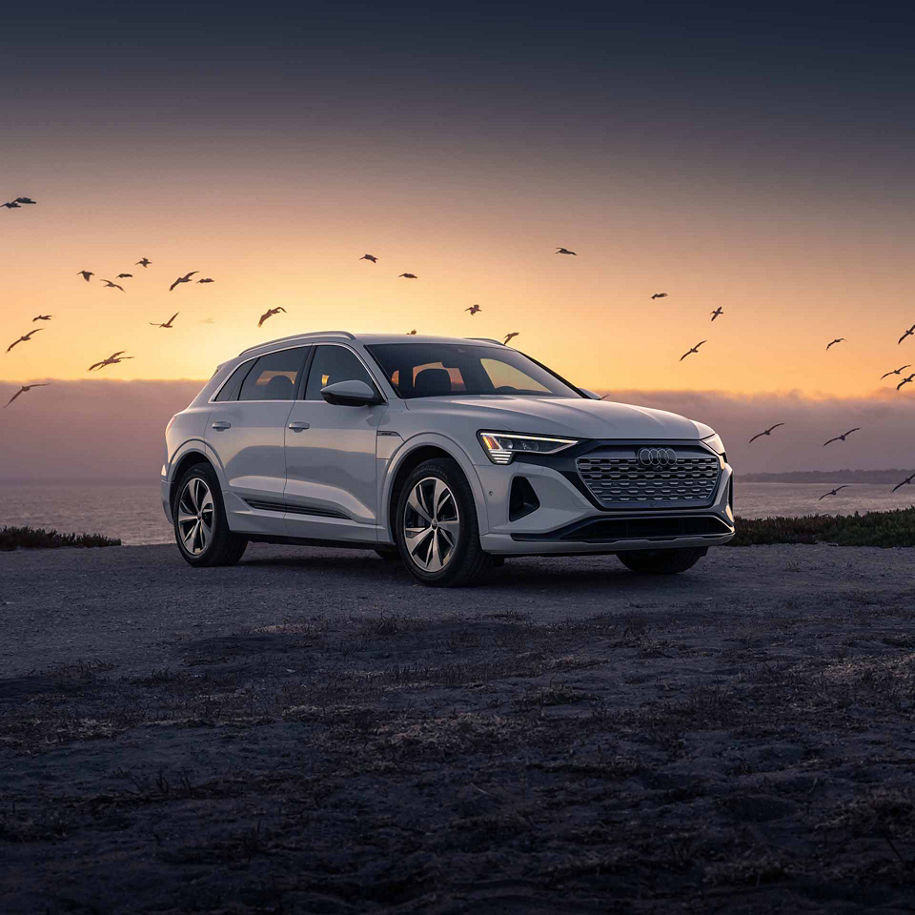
38, 538
892, 528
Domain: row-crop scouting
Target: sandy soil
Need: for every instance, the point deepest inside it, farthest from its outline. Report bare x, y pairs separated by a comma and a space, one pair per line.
312, 732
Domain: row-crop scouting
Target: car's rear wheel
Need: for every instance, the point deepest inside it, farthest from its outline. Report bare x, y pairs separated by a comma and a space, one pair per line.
201, 530
661, 562
436, 526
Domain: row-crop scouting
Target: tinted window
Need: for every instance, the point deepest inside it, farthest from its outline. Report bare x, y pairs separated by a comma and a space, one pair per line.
275, 376
332, 364
436, 369
229, 391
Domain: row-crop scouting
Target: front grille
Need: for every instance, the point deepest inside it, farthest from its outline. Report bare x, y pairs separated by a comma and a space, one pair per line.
616, 478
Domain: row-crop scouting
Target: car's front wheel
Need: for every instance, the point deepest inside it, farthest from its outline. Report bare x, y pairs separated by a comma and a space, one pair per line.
661, 562
436, 526
201, 530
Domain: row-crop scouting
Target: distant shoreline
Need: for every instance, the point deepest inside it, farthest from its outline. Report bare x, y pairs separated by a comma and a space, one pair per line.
846, 475
825, 476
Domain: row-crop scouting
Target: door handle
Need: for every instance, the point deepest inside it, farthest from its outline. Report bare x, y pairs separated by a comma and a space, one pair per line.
299, 427
221, 424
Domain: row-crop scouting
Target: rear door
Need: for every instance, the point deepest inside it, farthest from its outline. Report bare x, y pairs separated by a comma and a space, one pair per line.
247, 428
331, 488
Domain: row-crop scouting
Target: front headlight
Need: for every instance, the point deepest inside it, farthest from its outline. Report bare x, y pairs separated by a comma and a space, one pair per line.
714, 442
501, 447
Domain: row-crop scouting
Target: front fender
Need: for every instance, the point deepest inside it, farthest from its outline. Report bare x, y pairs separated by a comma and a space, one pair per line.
455, 452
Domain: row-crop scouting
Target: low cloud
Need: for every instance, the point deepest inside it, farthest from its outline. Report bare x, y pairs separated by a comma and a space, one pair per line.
886, 439
113, 430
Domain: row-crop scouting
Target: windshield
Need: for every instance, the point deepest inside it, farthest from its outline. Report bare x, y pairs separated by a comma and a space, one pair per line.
440, 369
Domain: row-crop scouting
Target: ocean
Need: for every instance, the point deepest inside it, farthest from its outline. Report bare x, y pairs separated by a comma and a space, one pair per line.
132, 511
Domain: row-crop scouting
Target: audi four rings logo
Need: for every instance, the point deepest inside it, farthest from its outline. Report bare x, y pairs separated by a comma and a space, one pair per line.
657, 457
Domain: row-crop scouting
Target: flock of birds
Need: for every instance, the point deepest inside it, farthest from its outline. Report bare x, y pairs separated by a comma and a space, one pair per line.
144, 262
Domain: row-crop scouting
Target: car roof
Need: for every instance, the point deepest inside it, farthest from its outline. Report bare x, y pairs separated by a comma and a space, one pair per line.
365, 339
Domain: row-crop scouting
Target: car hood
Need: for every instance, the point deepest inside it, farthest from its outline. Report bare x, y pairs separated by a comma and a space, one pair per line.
573, 417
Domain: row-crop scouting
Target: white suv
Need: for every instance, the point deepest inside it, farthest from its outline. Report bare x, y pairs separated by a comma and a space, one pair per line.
450, 454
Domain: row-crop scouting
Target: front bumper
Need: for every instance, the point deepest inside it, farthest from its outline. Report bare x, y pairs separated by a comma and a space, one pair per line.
568, 520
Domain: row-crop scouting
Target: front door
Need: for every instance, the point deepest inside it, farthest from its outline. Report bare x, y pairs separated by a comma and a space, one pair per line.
247, 432
331, 482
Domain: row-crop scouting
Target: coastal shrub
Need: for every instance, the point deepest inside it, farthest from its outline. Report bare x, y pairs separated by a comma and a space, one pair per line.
12, 538
886, 529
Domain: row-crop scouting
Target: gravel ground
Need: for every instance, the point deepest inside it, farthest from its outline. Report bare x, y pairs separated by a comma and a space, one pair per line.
311, 731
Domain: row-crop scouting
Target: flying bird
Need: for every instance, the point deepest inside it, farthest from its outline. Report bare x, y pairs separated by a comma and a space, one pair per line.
369, 257
85, 274
907, 380
42, 318
660, 295
168, 324
144, 262
905, 482
206, 279
269, 313
25, 200
768, 431
717, 312
409, 276
693, 349
113, 359
566, 251
473, 309
510, 336
834, 492
898, 371
183, 279
25, 338
125, 276
842, 437
908, 333
834, 342
110, 285
24, 388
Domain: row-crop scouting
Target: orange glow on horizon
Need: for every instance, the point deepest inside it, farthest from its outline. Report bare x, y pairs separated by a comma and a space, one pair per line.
787, 285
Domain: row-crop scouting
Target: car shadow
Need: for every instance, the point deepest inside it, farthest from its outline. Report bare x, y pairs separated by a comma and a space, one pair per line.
562, 575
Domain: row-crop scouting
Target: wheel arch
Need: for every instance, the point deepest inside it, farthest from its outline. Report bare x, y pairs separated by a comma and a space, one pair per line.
409, 457
195, 451
188, 459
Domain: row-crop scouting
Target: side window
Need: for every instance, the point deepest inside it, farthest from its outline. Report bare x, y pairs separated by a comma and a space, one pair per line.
229, 391
275, 376
332, 364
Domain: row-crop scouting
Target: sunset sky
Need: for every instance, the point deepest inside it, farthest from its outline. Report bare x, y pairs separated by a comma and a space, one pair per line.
760, 159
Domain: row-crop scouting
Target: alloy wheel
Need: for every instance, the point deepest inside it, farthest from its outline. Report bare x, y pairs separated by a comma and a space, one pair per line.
431, 524
196, 514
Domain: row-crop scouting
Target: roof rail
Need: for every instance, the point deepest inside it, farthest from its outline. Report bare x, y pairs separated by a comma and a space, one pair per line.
307, 336
487, 340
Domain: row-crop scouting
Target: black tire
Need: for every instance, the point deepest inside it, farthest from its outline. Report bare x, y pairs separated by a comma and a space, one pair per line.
223, 548
467, 562
388, 553
661, 562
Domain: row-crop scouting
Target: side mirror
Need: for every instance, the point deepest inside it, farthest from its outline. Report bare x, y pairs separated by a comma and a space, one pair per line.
351, 393
590, 394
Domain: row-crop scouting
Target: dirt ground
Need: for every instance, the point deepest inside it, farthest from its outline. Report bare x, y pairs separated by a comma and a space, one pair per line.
312, 732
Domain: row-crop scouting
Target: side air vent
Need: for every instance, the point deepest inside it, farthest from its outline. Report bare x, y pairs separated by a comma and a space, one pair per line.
522, 499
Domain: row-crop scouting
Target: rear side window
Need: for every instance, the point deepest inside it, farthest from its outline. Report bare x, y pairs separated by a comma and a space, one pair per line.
332, 364
275, 376
230, 390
